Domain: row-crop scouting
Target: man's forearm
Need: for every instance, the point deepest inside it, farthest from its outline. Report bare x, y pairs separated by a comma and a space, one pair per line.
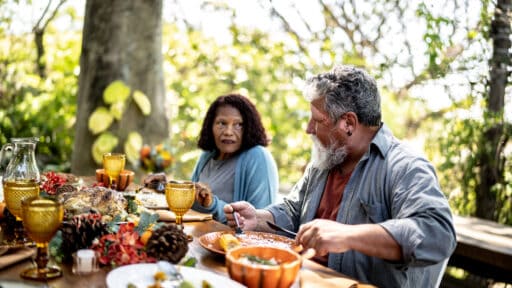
373, 240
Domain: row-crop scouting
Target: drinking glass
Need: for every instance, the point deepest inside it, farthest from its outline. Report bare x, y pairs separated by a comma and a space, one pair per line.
42, 217
113, 163
180, 196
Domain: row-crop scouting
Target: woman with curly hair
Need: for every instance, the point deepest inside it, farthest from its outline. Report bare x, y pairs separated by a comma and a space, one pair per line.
234, 164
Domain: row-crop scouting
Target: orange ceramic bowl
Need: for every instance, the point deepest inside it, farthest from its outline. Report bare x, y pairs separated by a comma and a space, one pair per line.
124, 179
253, 274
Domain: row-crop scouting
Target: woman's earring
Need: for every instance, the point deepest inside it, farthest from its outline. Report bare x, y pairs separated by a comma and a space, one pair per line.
349, 133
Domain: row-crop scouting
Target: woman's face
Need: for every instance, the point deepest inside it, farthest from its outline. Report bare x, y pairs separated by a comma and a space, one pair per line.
228, 128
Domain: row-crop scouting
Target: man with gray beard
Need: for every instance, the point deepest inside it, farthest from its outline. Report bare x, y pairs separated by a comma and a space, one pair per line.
371, 207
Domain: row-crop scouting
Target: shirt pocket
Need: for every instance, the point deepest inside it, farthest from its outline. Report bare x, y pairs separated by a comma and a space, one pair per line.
374, 212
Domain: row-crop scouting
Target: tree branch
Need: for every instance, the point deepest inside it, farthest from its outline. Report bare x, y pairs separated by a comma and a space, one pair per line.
288, 28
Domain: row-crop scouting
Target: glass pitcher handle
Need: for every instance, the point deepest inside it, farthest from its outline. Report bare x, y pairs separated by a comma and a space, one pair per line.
6, 147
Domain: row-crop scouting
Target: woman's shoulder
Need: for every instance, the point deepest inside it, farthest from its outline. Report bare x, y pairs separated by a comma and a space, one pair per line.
256, 151
257, 156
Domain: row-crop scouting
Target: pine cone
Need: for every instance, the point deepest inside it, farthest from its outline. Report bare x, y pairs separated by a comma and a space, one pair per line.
80, 232
10, 221
168, 243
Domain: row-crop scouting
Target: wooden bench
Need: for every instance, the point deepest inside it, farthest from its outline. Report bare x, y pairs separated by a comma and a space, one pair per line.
484, 248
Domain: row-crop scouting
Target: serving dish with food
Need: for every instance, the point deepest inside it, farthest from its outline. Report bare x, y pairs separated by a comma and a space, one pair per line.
214, 241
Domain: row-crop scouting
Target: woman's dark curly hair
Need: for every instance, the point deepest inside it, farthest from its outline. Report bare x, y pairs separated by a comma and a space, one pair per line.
253, 131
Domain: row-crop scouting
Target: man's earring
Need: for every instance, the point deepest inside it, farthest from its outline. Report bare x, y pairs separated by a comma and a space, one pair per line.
349, 133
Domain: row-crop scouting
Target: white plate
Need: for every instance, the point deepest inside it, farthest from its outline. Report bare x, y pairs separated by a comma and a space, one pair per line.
19, 284
141, 275
152, 200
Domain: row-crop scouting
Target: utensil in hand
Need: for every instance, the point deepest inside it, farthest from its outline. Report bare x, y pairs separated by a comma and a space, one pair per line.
238, 230
279, 228
113, 163
42, 217
180, 197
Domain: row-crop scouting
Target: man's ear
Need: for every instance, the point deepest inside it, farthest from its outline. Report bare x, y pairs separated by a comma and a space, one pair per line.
350, 122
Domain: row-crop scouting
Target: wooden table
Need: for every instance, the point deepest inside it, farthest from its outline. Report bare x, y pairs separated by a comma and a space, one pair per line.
206, 260
484, 248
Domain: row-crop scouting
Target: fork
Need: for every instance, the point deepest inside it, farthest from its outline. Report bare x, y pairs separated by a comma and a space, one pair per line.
238, 230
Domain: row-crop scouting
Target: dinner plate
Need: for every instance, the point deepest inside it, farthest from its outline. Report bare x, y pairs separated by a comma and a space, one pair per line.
19, 284
152, 200
210, 241
141, 275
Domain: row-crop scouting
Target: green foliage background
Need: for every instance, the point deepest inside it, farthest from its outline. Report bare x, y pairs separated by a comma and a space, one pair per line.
197, 70
270, 73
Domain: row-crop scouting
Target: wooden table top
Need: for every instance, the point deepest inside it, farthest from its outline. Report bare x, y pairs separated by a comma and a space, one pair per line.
483, 248
205, 260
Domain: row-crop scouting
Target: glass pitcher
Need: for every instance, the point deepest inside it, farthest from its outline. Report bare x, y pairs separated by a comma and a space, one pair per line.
21, 177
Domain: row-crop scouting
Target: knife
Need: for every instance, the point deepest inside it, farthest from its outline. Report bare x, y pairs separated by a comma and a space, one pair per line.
279, 228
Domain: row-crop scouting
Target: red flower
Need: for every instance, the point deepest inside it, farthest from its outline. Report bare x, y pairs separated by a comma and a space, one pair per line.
51, 181
122, 248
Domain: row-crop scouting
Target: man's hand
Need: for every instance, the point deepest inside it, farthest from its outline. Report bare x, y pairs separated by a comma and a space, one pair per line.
204, 195
324, 236
327, 236
248, 219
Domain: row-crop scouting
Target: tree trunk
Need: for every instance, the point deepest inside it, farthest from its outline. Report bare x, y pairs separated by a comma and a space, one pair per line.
491, 153
122, 40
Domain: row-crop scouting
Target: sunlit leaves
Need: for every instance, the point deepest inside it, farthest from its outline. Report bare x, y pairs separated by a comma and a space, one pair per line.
116, 91
105, 143
142, 102
132, 147
117, 110
100, 120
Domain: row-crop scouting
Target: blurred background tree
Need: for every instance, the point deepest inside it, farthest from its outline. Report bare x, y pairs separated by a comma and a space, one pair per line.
432, 63
121, 96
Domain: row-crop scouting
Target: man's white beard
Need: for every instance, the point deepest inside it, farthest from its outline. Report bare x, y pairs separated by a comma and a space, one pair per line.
326, 158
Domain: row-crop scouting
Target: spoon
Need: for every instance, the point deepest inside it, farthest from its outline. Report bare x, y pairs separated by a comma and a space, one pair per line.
238, 230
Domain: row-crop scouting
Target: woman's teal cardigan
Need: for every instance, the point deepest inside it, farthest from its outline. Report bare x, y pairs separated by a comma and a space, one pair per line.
256, 180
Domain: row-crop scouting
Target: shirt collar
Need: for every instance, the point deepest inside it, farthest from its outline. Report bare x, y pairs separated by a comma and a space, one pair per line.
382, 141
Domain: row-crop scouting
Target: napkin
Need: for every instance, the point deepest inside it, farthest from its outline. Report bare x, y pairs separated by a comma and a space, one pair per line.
312, 279
190, 216
15, 256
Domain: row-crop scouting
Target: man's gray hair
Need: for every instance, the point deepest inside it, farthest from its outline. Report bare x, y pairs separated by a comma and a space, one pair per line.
346, 89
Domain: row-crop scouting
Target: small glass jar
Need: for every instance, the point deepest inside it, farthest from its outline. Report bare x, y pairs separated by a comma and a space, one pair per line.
85, 261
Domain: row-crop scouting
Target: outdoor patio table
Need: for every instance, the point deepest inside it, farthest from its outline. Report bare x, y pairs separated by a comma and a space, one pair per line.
311, 275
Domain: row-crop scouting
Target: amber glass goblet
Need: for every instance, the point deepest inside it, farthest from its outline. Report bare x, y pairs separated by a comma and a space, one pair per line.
14, 193
180, 197
113, 163
42, 217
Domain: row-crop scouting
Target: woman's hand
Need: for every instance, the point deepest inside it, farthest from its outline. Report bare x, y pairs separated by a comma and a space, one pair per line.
204, 195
